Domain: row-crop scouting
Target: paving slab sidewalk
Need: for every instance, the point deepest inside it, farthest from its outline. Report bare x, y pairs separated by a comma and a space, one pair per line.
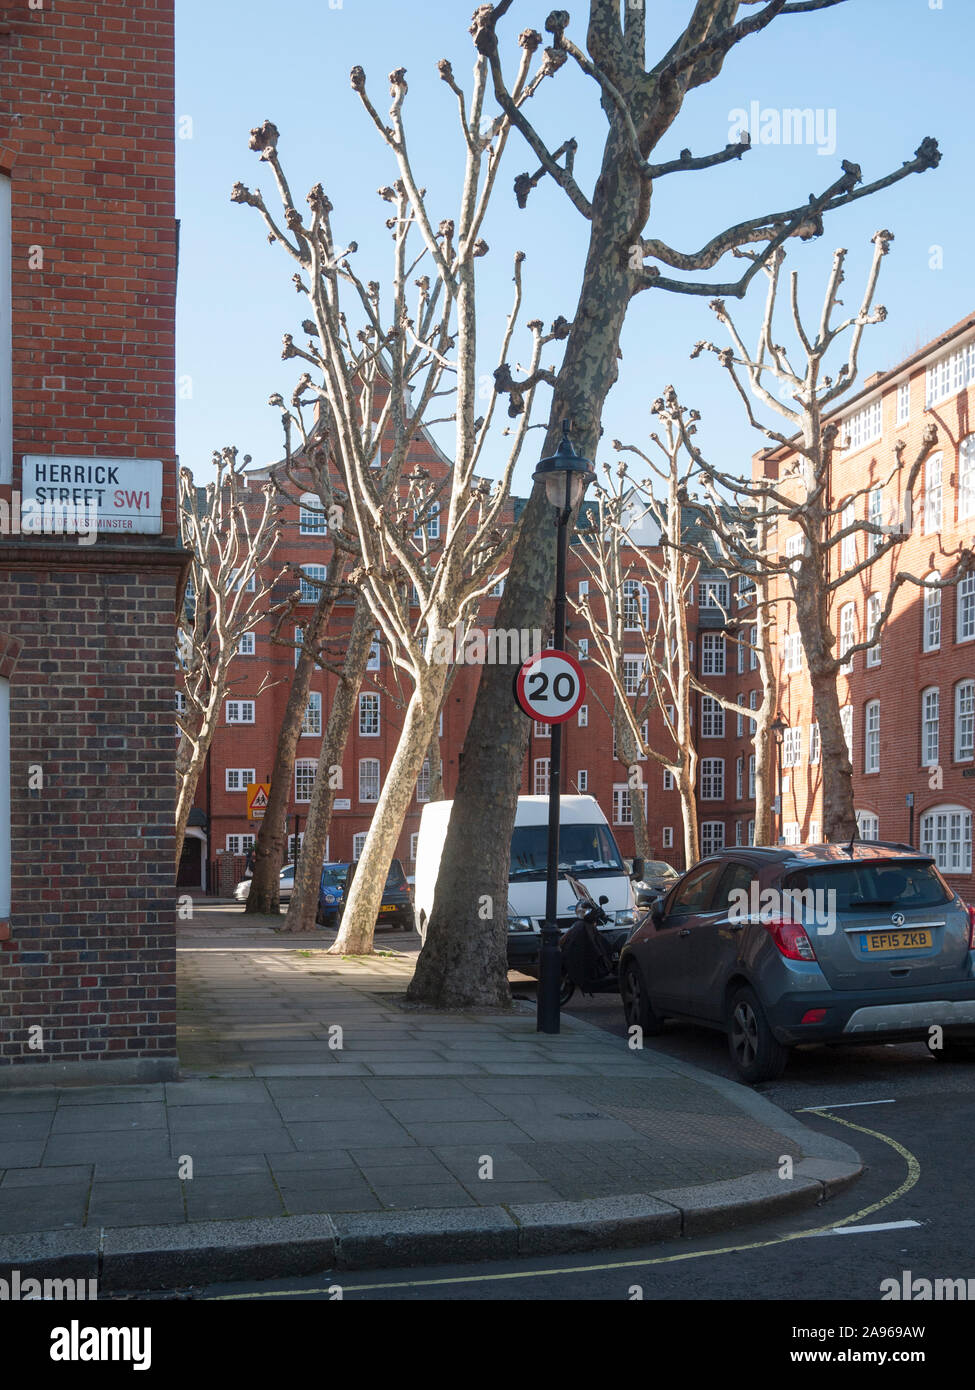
320, 1122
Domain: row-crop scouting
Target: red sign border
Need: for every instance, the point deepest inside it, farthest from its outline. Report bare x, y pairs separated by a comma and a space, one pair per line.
523, 671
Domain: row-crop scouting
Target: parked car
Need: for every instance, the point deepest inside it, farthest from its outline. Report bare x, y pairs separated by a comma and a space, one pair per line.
820, 944
657, 879
286, 882
396, 909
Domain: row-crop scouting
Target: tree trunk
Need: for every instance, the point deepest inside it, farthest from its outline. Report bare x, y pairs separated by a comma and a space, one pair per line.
365, 894
464, 955
184, 801
839, 815
303, 907
436, 768
269, 848
764, 744
688, 807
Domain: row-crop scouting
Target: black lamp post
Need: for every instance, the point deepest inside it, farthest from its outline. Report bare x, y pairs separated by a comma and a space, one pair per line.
778, 728
566, 475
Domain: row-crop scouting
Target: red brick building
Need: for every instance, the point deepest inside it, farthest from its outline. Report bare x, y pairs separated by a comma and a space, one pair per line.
90, 563
908, 702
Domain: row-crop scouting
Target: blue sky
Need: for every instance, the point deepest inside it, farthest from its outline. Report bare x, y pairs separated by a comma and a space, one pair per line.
882, 73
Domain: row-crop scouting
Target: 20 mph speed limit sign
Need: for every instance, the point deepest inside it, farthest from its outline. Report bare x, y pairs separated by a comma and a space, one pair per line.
551, 686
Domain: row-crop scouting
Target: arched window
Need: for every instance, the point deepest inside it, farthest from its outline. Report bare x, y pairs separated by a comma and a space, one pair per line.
847, 633
636, 606
312, 520
868, 825
946, 834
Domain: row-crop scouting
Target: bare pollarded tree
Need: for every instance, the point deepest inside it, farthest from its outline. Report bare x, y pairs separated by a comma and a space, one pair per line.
230, 538
800, 501
641, 97
380, 365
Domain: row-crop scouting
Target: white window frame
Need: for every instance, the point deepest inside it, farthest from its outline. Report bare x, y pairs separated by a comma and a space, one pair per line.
236, 779
634, 675
814, 743
930, 726
864, 427
847, 635
712, 717
740, 777
370, 715
713, 654
312, 518
751, 777
636, 603
240, 843
965, 609
875, 515
966, 478
310, 593
373, 662
358, 844
903, 402
667, 833
239, 711
933, 493
753, 653
582, 779
846, 719
540, 776
311, 724
931, 609
583, 647
370, 779
848, 545
414, 837
305, 771
542, 730
712, 779
712, 837
871, 736
583, 716
952, 852
949, 374
792, 746
247, 646
874, 605
965, 721
623, 803
423, 781
299, 639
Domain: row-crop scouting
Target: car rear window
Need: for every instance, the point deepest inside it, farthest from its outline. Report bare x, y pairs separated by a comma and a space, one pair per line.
904, 884
396, 878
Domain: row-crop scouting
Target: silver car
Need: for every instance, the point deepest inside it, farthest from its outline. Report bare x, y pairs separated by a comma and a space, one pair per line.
820, 944
286, 882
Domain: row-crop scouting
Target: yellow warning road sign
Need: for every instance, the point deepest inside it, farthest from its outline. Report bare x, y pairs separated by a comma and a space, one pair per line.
257, 795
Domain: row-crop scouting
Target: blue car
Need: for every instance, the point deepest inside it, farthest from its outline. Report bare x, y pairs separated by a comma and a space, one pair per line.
396, 909
331, 894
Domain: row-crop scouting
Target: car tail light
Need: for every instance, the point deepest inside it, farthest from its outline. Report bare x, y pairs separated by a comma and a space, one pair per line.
813, 1016
791, 939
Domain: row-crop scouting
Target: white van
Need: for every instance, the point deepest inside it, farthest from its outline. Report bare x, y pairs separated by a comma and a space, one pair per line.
587, 850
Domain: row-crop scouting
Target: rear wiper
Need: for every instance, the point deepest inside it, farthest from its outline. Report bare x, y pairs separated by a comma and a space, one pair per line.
872, 902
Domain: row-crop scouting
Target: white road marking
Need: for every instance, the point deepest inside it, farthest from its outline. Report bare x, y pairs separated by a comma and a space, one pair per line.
843, 1105
880, 1226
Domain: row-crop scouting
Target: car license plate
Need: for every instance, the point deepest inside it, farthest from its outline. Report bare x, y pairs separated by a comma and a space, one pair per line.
897, 941
388, 907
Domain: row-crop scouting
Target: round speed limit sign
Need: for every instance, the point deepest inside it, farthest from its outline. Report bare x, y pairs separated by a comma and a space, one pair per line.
551, 686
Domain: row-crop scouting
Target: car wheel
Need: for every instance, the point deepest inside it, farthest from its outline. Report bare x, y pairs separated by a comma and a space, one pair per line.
953, 1051
755, 1051
566, 990
636, 1001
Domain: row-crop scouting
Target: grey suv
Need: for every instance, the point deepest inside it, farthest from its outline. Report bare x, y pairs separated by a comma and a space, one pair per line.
819, 944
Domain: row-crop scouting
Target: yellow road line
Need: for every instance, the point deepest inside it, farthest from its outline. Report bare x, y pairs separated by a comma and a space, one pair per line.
913, 1174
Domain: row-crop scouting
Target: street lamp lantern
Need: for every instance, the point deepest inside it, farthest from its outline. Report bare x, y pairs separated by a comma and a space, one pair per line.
566, 475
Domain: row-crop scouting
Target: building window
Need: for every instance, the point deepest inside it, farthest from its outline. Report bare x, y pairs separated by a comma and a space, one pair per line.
239, 844
794, 547
903, 402
247, 644
542, 730
791, 653
299, 638
433, 522
966, 477
623, 804
739, 833
583, 587
965, 625
847, 635
930, 720
792, 747
932, 615
740, 777
636, 606
668, 837
368, 779
668, 780
373, 663
583, 716
965, 721
312, 722
294, 846
814, 743
540, 783
582, 779
712, 717
752, 704
369, 726
633, 675
740, 700
305, 769
753, 654
240, 711
751, 777
949, 375
712, 779
863, 427
413, 842
712, 837
946, 834
310, 590
875, 515
583, 648
180, 701
714, 593
848, 545
358, 844
740, 644
790, 833
712, 654
6, 358
873, 621
814, 832
238, 778
312, 520
751, 832
932, 494
871, 736
423, 782
846, 719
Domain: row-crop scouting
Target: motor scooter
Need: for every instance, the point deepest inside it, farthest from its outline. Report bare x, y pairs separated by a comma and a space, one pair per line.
590, 955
